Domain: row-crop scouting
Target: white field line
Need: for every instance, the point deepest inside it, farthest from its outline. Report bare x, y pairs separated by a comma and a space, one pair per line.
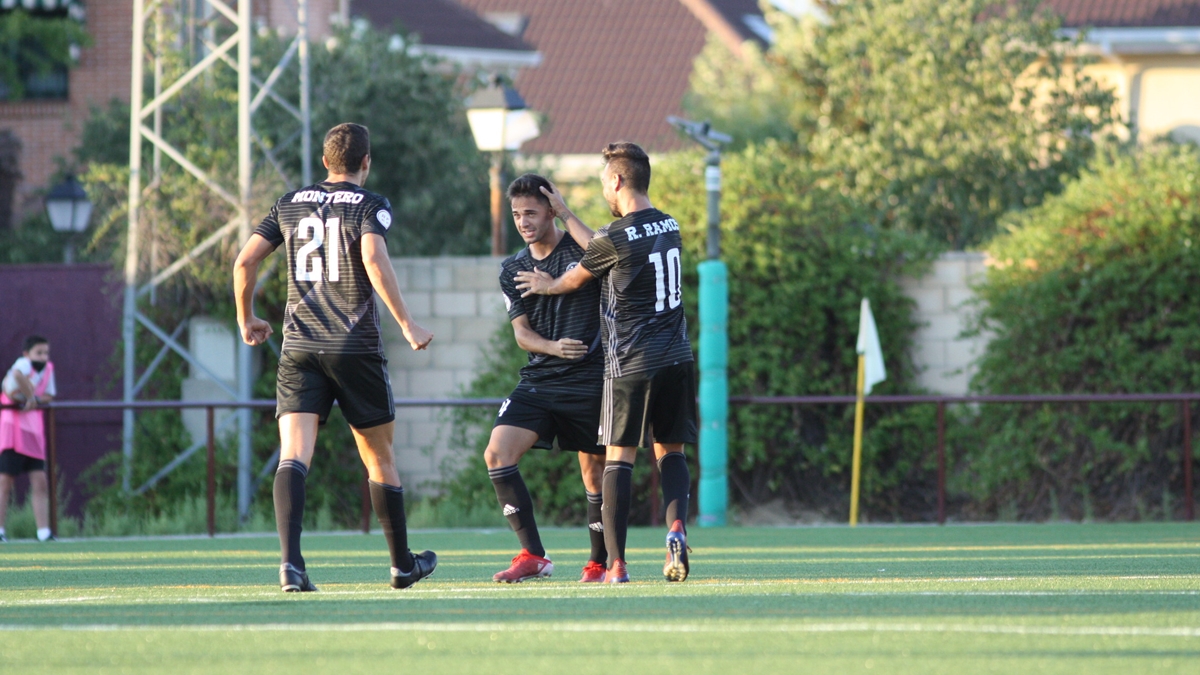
849, 627
477, 593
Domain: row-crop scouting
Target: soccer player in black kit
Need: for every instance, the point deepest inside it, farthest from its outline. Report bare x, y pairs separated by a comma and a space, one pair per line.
560, 389
650, 384
337, 262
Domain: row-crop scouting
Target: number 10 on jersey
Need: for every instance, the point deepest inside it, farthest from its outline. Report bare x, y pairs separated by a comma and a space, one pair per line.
667, 281
308, 258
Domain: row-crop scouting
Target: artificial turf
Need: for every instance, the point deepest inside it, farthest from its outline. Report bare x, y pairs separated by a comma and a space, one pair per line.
1058, 598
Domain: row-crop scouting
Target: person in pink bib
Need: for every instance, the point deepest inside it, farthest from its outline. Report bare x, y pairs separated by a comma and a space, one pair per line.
28, 386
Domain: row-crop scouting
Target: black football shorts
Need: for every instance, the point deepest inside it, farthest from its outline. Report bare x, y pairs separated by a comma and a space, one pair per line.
310, 383
14, 464
653, 406
572, 418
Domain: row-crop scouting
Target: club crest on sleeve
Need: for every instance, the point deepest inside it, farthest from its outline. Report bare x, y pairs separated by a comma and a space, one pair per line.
385, 219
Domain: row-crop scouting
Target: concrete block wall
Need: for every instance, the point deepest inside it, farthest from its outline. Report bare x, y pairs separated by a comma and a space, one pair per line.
459, 299
942, 296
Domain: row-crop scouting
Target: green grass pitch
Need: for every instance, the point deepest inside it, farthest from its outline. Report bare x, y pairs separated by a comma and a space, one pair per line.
1064, 598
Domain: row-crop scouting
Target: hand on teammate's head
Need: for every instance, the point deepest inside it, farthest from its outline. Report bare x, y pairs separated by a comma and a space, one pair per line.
558, 206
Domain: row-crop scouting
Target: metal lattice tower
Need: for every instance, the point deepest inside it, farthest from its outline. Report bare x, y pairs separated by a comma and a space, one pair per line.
234, 52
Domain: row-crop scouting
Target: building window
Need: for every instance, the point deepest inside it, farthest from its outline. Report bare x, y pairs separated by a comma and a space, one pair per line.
39, 43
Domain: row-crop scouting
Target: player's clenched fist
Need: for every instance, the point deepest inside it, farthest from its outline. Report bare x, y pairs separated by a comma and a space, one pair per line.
418, 338
255, 331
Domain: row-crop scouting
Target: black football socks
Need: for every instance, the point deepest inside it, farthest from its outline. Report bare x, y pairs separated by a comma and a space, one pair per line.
289, 509
676, 482
595, 521
388, 502
618, 495
518, 507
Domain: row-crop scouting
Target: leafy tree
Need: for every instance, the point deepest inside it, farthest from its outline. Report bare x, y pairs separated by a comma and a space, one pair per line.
938, 115
1092, 292
423, 157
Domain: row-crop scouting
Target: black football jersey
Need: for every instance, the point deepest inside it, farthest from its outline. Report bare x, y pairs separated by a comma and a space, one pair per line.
331, 304
554, 317
637, 262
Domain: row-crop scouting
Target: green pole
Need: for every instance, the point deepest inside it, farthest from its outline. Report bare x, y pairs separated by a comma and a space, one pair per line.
714, 393
714, 359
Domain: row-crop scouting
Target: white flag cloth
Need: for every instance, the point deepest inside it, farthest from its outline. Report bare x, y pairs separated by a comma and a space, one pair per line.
868, 345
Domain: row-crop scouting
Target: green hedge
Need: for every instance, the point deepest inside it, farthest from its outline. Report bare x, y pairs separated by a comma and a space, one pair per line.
1092, 292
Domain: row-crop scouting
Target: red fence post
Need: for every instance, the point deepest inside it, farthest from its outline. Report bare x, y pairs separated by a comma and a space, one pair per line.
941, 462
212, 475
51, 426
1189, 504
365, 508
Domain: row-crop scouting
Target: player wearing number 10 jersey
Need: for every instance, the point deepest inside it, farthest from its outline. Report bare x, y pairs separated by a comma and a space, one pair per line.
649, 395
332, 234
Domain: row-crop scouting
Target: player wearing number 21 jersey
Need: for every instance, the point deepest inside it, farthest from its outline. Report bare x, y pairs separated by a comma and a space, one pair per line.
649, 397
332, 236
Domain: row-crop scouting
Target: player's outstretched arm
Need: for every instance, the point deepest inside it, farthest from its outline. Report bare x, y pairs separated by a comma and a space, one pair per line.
532, 341
254, 330
538, 282
383, 279
580, 232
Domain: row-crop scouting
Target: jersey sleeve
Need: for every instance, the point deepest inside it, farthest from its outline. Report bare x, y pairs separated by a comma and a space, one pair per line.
269, 228
512, 297
379, 220
601, 256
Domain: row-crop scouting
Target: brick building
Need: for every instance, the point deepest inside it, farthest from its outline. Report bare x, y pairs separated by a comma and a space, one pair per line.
47, 127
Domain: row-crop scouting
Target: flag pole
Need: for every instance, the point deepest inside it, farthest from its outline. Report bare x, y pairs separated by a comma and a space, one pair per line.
856, 470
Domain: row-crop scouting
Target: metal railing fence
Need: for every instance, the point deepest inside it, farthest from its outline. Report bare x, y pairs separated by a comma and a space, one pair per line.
1184, 400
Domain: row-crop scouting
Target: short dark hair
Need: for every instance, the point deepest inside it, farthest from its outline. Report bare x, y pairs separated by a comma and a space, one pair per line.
529, 185
345, 147
33, 341
629, 161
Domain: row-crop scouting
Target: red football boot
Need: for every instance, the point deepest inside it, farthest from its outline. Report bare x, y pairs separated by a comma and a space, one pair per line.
593, 572
525, 566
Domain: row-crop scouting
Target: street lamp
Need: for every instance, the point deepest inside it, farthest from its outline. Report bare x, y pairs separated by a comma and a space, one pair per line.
714, 338
499, 122
69, 209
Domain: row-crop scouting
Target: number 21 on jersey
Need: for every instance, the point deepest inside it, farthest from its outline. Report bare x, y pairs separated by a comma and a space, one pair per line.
308, 258
667, 281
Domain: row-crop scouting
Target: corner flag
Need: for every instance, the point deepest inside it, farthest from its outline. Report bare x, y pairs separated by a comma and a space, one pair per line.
870, 373
868, 346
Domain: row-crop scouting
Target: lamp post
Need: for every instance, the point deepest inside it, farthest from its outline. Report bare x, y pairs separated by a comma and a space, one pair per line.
499, 122
69, 209
714, 338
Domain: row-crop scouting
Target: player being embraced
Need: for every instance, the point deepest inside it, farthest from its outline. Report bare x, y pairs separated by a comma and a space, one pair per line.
649, 381
337, 261
560, 388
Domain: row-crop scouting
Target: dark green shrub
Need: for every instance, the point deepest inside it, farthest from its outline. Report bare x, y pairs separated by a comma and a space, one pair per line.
1092, 292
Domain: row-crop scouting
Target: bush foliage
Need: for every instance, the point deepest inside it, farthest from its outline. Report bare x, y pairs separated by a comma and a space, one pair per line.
1092, 292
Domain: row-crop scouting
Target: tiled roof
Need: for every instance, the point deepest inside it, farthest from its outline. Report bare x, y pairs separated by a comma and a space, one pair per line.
611, 70
439, 22
1127, 13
